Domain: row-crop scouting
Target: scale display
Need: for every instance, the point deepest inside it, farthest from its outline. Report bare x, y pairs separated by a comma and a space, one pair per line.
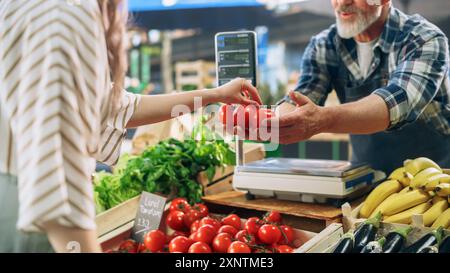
236, 56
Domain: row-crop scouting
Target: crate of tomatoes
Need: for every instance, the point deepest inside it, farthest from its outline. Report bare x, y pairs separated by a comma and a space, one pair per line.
189, 228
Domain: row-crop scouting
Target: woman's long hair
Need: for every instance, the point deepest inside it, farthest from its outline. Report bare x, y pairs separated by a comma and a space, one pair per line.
114, 16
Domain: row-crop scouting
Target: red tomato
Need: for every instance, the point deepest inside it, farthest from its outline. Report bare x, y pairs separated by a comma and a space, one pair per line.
264, 114
273, 217
205, 234
285, 249
192, 236
238, 247
180, 204
210, 221
142, 248
239, 116
129, 246
245, 237
252, 225
154, 240
269, 234
175, 234
179, 244
232, 220
175, 220
221, 242
202, 209
199, 247
190, 217
195, 226
287, 235
228, 229
226, 114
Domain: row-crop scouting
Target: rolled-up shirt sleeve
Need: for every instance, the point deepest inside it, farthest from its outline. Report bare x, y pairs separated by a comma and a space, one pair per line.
416, 80
114, 130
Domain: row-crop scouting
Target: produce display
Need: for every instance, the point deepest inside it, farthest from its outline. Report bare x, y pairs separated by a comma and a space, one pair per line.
419, 187
172, 166
194, 230
366, 239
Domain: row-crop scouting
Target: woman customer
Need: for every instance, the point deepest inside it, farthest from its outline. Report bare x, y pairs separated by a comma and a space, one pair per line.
59, 112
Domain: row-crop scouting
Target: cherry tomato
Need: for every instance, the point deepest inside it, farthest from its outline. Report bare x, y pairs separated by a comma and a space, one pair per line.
232, 220
226, 114
246, 117
221, 242
195, 225
205, 234
202, 209
199, 247
269, 234
210, 221
129, 246
228, 229
154, 240
284, 249
252, 225
179, 244
175, 220
238, 247
180, 204
239, 116
273, 217
287, 235
190, 217
192, 236
245, 237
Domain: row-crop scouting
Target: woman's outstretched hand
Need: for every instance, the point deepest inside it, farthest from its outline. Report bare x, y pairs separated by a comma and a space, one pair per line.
239, 91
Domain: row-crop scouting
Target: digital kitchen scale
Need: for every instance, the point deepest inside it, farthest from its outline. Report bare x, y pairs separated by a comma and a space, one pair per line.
311, 181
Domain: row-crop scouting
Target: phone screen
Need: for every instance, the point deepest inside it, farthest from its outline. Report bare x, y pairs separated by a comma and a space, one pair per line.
236, 56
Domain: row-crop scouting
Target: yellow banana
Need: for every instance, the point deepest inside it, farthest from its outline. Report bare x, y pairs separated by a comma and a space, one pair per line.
421, 163
433, 181
401, 176
405, 217
442, 190
378, 195
381, 207
443, 220
405, 201
439, 206
421, 178
405, 190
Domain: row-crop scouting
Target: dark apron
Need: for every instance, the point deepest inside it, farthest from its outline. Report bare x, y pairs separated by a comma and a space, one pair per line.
387, 150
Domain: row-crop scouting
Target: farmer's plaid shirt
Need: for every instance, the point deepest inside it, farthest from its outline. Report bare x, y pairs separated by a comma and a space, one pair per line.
418, 86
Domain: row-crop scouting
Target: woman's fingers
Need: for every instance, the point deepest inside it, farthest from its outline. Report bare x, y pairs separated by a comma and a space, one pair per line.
247, 85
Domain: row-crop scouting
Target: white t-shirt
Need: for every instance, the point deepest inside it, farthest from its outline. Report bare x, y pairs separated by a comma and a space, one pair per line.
365, 56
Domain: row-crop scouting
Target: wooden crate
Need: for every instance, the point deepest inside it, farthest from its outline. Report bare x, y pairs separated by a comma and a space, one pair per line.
304, 241
199, 73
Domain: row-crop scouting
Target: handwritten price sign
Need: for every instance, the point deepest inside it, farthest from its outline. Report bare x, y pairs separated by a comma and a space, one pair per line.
149, 214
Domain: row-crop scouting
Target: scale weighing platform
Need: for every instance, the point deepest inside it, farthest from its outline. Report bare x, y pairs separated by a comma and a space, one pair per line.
309, 181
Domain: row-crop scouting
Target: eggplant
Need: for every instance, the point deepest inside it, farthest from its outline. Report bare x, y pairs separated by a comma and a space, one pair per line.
429, 249
374, 246
396, 240
444, 247
346, 243
430, 239
366, 232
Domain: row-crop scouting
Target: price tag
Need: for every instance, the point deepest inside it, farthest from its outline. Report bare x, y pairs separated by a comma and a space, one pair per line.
149, 214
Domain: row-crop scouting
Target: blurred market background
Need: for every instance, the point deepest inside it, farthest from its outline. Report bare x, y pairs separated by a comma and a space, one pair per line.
172, 48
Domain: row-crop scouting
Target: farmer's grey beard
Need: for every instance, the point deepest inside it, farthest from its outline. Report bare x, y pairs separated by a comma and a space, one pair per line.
348, 30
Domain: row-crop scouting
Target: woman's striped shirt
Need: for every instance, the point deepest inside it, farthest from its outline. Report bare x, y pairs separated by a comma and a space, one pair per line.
55, 107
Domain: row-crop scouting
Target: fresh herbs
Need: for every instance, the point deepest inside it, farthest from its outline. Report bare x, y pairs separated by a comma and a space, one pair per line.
170, 167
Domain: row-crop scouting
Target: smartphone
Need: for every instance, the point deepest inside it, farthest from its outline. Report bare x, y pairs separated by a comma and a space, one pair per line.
236, 56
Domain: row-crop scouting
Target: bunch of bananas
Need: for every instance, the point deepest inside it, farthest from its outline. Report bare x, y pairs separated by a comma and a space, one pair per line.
419, 187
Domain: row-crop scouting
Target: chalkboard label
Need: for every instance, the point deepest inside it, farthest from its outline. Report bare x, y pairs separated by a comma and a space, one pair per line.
149, 214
